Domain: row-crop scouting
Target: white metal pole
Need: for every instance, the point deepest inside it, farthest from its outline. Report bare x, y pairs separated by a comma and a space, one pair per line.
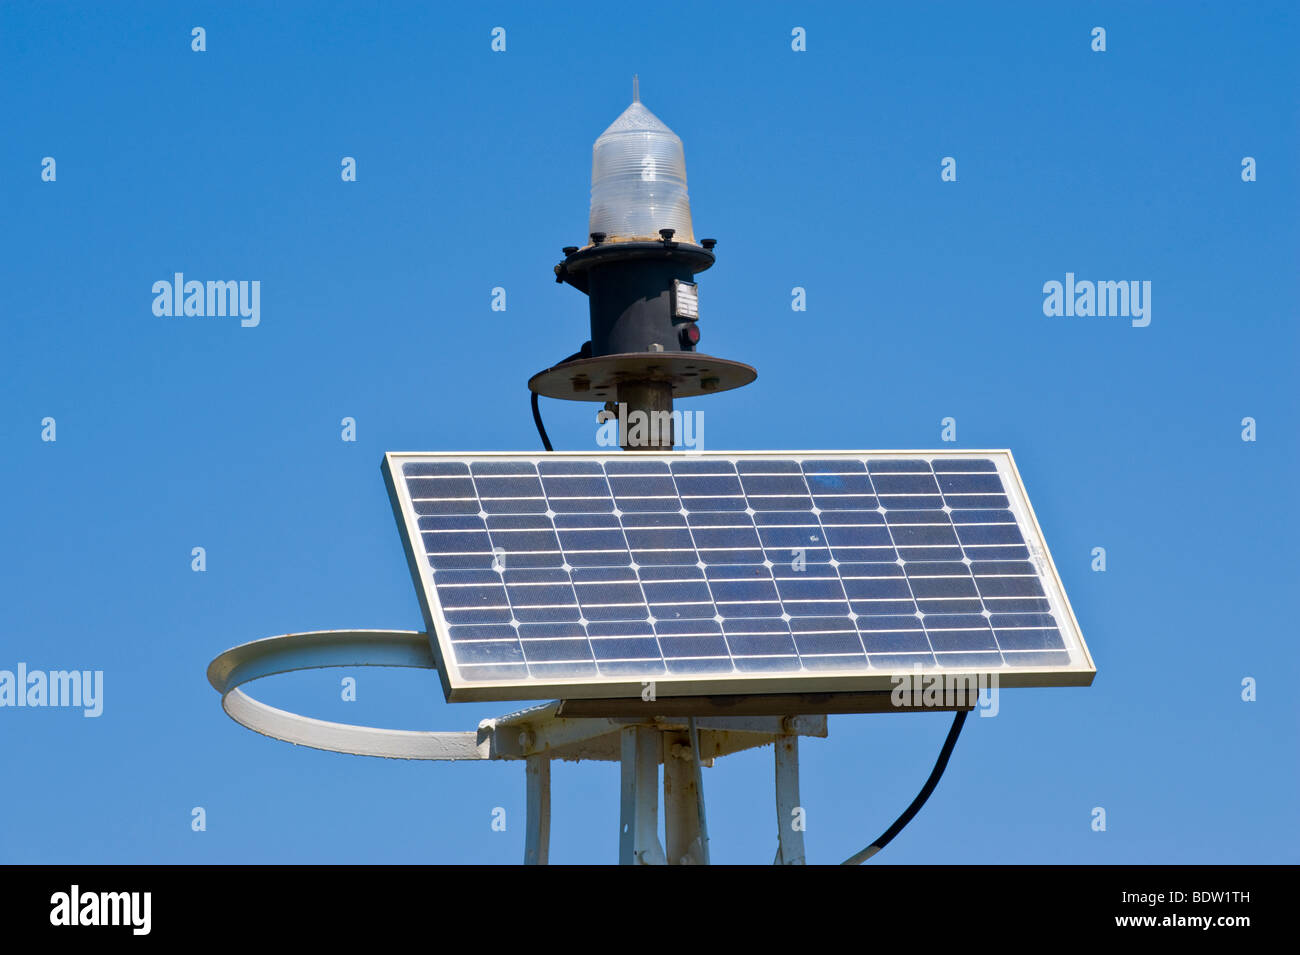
537, 845
638, 835
699, 790
681, 808
790, 848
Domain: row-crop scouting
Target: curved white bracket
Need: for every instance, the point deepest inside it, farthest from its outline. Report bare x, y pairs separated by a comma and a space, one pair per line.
537, 734
334, 648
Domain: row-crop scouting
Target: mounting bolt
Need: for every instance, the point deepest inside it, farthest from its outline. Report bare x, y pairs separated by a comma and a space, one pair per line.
655, 346
569, 249
667, 235
527, 739
597, 238
708, 243
790, 725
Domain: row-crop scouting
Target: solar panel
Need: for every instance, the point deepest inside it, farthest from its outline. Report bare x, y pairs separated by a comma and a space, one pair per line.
588, 575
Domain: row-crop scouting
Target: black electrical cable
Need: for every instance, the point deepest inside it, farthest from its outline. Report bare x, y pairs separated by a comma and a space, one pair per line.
541, 428
940, 765
583, 352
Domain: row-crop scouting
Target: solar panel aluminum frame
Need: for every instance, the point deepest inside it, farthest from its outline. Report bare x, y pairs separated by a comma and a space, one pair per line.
1080, 671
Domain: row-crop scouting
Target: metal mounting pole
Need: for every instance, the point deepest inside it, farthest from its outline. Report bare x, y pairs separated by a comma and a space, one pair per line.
681, 806
790, 850
638, 833
537, 845
654, 399
699, 789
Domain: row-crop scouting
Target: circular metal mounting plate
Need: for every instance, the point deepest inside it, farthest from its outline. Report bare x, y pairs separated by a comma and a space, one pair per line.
577, 264
597, 379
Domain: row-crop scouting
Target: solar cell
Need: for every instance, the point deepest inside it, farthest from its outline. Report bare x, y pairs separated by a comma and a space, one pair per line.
587, 575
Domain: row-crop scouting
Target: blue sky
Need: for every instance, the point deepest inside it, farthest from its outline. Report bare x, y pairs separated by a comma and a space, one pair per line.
818, 169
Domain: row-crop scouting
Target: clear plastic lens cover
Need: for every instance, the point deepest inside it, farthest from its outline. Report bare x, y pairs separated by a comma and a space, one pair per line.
638, 180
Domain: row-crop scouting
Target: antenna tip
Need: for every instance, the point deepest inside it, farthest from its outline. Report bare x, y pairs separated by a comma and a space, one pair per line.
636, 88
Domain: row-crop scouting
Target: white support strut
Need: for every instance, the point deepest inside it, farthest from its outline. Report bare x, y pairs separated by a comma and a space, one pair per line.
681, 810
537, 847
789, 814
638, 828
